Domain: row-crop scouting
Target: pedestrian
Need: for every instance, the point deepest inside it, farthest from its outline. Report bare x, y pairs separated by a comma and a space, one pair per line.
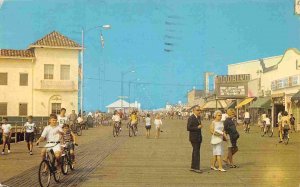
6, 134
72, 118
158, 125
231, 135
148, 125
29, 128
217, 131
195, 136
62, 118
292, 122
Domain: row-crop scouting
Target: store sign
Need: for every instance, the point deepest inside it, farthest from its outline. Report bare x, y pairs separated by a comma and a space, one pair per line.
232, 86
285, 82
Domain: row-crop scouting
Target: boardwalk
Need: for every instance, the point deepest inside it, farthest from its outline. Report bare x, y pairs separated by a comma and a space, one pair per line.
137, 161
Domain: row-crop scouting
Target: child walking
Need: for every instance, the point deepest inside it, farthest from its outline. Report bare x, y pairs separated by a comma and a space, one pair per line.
148, 125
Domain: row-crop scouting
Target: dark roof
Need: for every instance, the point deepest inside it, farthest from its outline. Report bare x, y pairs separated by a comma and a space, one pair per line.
16, 53
296, 96
55, 39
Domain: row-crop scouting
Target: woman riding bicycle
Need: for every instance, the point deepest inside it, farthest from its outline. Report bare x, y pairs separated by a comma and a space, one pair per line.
134, 119
116, 119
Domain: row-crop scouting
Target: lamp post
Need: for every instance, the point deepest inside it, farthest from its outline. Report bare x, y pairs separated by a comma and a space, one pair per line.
129, 88
105, 27
123, 73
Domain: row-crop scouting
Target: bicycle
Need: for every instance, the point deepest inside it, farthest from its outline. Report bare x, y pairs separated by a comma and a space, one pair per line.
76, 128
132, 129
285, 135
116, 129
67, 160
247, 126
48, 168
269, 130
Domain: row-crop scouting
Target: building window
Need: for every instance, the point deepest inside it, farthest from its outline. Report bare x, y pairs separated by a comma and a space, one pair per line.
3, 78
48, 71
3, 109
55, 108
285, 82
280, 84
295, 80
65, 72
23, 109
23, 79
297, 64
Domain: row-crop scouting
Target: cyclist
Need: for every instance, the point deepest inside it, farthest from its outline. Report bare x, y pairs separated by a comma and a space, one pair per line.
29, 128
69, 139
52, 134
62, 118
72, 118
134, 119
285, 124
266, 123
6, 134
116, 119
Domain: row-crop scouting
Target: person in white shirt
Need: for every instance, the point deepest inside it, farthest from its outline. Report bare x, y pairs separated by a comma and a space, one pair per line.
246, 119
148, 125
52, 134
267, 121
6, 134
62, 118
116, 118
29, 127
158, 124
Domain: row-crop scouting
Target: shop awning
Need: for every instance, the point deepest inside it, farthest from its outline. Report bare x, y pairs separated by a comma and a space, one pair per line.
296, 97
231, 105
215, 103
244, 102
262, 102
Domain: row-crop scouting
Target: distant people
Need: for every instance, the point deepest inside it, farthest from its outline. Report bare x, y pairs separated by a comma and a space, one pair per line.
195, 136
116, 119
72, 118
232, 136
148, 125
158, 125
292, 122
6, 134
217, 131
267, 123
246, 119
29, 127
285, 124
62, 118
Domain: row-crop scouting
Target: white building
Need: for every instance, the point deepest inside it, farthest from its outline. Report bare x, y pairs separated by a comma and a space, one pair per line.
41, 79
123, 105
278, 77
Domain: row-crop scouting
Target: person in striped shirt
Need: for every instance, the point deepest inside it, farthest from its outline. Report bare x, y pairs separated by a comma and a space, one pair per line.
69, 140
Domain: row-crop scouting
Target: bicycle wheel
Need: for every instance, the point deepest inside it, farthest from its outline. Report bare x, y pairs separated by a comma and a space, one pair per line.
262, 131
130, 131
134, 129
117, 131
114, 131
44, 174
56, 175
79, 131
64, 165
285, 138
270, 131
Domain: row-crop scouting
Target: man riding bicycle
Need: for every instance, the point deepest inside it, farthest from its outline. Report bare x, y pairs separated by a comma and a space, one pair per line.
285, 124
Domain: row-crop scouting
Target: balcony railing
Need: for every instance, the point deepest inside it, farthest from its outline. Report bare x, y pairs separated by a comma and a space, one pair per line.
63, 85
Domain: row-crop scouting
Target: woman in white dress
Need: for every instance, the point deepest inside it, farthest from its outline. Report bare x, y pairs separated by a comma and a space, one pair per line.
217, 131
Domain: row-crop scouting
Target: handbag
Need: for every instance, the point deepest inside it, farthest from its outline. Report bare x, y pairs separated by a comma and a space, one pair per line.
216, 139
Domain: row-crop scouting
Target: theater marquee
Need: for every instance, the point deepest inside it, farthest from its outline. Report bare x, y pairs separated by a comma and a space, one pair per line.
232, 86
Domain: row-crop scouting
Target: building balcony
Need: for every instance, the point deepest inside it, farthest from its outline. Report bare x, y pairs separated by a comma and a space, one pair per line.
62, 85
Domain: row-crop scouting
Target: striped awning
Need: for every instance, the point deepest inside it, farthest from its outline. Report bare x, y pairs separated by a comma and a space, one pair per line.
244, 102
215, 104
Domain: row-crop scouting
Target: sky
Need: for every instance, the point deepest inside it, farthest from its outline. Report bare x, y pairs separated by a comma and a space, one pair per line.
169, 44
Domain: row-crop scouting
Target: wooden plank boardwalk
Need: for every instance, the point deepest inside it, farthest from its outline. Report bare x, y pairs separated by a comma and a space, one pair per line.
138, 161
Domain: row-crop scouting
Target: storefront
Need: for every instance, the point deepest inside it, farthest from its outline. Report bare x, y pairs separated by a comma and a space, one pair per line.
261, 105
295, 100
278, 105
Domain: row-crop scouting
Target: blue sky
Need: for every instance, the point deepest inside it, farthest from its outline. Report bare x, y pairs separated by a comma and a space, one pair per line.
203, 35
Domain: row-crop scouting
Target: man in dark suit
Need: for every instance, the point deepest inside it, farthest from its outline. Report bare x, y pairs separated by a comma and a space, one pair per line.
194, 127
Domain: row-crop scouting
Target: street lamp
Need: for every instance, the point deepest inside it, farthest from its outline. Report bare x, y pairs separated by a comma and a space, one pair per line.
105, 27
123, 73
